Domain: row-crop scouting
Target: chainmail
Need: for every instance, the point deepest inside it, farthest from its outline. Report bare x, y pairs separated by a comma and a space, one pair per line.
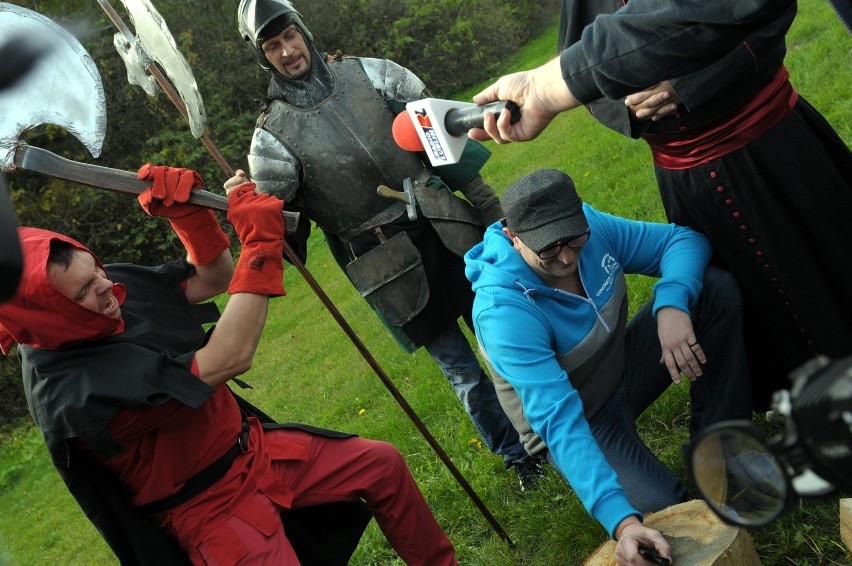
308, 91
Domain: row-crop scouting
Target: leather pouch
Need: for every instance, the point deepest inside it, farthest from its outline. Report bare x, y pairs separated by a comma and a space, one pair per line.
391, 277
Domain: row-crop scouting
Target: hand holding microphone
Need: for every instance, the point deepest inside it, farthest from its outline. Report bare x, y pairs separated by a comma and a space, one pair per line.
541, 94
438, 127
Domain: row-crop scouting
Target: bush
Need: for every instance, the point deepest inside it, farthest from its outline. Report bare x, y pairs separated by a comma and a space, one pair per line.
13, 403
449, 44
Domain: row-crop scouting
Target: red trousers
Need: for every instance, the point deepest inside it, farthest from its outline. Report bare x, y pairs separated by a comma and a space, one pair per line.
336, 470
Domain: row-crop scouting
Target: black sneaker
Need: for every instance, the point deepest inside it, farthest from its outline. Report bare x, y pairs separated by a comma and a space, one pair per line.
529, 470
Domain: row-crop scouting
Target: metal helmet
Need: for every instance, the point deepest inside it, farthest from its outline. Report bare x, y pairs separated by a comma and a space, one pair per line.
255, 15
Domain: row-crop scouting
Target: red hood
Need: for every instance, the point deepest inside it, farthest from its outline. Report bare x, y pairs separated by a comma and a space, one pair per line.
41, 317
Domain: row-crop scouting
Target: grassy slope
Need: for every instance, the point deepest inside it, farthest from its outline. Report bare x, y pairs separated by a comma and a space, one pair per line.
307, 370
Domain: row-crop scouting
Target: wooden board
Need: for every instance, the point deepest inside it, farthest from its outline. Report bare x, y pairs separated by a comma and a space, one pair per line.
697, 536
846, 522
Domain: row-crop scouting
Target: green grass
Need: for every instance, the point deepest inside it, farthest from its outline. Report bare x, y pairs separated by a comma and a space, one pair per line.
307, 370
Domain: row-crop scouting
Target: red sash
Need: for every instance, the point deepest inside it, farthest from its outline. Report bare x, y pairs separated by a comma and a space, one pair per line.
721, 136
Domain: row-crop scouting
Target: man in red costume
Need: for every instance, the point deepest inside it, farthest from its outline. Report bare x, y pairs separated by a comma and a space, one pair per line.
131, 396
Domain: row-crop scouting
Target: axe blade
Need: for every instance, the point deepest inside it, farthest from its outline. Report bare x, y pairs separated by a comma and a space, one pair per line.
63, 88
158, 43
136, 63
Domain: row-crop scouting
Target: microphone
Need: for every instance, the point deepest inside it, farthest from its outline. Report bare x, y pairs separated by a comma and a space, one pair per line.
405, 134
458, 122
438, 126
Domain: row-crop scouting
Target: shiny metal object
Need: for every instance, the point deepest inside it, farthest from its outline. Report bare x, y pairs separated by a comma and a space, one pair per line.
154, 41
154, 45
64, 88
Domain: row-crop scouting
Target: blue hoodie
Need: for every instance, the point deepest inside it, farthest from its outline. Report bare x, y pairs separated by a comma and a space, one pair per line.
534, 336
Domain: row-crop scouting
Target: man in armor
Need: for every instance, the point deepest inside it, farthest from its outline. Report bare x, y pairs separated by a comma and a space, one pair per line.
410, 270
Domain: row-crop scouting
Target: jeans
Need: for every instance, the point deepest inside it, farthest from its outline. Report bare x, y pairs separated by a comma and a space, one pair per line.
722, 392
452, 352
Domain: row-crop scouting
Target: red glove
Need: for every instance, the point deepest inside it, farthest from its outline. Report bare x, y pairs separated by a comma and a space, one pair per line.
171, 184
197, 227
259, 225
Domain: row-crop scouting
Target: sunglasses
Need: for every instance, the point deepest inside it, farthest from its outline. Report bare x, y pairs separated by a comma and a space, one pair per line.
575, 243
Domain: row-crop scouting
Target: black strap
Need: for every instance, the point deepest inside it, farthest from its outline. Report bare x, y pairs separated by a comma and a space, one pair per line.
203, 479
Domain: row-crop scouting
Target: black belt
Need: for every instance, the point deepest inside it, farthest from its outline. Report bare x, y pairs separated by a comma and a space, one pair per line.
203, 479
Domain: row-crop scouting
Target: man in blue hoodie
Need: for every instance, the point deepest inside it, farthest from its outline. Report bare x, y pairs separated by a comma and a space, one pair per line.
551, 318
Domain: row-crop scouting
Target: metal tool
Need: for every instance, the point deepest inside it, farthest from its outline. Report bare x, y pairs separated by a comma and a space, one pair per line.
406, 196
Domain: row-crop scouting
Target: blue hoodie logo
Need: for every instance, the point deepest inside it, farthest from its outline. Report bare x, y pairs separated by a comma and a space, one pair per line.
610, 267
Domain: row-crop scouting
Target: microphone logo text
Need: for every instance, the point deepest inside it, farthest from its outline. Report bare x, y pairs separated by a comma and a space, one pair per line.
425, 123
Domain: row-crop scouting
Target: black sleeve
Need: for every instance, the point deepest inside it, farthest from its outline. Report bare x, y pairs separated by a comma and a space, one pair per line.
754, 61
648, 41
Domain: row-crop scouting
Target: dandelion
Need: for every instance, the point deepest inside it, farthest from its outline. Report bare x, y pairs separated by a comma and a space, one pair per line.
362, 411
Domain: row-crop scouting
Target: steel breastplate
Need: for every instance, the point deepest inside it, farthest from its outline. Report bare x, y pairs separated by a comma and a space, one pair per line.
346, 151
